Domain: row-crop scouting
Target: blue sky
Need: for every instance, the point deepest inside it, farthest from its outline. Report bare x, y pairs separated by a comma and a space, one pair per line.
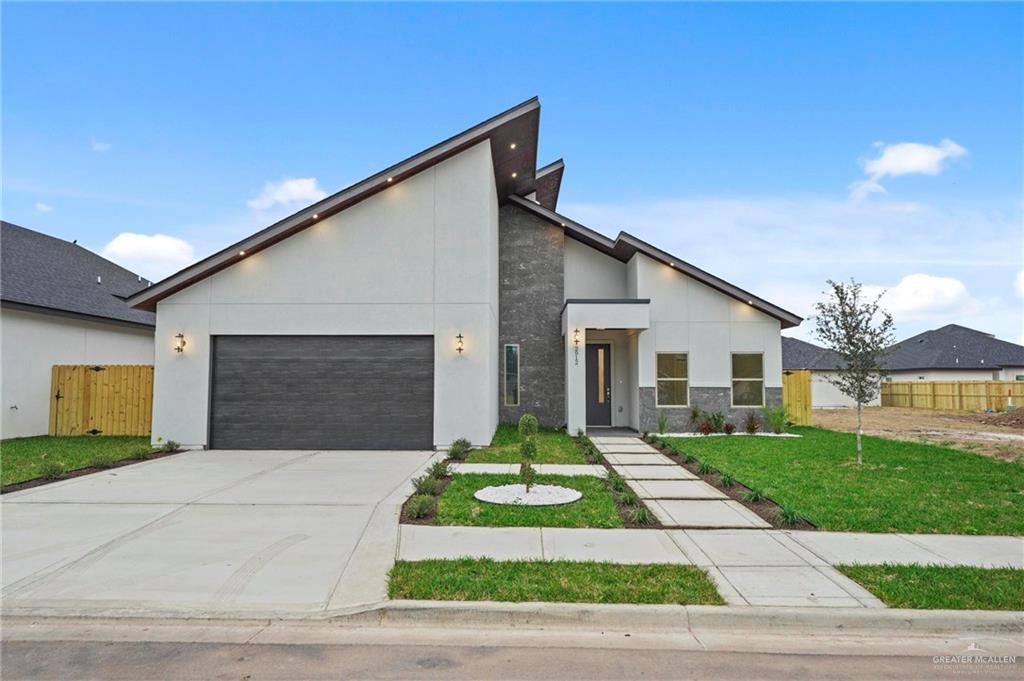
774, 145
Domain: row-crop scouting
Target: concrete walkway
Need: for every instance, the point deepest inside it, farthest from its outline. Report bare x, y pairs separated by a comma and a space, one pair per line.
750, 567
271, 532
677, 497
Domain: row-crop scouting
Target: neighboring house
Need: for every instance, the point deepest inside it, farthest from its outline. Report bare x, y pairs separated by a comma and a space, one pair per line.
822, 363
61, 304
955, 353
440, 296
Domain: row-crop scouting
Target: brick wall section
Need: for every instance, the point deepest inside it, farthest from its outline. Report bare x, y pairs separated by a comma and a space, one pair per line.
531, 292
708, 399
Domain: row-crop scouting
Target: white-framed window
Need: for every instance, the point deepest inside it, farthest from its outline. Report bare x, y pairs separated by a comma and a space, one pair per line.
747, 379
673, 383
511, 367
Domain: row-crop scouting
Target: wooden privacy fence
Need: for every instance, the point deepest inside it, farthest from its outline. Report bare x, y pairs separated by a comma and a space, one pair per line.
112, 399
796, 395
953, 395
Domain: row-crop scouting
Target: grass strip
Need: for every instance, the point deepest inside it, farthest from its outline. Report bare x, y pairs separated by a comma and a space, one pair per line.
931, 587
553, 446
24, 458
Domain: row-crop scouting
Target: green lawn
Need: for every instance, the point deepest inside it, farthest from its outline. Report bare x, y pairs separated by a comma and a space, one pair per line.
473, 579
902, 486
23, 458
553, 446
939, 587
456, 506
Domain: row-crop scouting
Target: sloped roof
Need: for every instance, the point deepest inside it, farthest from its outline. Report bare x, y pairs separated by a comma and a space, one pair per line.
49, 274
548, 183
953, 347
625, 245
798, 354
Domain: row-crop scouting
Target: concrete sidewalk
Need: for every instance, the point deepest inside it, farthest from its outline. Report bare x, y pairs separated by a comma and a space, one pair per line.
750, 567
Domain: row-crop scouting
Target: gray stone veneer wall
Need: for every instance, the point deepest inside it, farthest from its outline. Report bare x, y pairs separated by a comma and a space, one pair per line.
708, 399
531, 292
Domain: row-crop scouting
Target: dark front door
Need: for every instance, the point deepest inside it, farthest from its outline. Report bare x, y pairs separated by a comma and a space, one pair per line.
599, 384
322, 392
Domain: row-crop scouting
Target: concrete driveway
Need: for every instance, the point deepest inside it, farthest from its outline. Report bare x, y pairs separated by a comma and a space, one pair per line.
282, 533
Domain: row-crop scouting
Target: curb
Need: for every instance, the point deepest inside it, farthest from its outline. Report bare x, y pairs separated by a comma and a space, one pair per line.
695, 618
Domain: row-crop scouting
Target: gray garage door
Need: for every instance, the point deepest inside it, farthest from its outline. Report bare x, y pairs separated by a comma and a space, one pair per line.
322, 392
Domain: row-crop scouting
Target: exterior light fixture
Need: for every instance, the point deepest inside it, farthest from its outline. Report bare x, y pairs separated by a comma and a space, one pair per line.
512, 146
316, 215
576, 345
460, 345
179, 343
391, 179
750, 302
515, 175
563, 224
241, 253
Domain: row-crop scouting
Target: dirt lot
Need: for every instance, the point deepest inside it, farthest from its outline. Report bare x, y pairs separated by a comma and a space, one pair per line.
956, 429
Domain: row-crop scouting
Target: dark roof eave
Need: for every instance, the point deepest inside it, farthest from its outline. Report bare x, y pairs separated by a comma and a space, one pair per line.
625, 245
38, 309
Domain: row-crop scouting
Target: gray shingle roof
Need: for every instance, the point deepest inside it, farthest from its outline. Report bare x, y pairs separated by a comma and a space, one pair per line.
954, 347
45, 272
798, 354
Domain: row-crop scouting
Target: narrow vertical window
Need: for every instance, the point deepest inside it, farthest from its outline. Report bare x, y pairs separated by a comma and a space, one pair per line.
747, 379
511, 375
600, 376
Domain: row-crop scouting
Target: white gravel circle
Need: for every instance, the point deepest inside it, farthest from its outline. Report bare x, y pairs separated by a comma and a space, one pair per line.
540, 495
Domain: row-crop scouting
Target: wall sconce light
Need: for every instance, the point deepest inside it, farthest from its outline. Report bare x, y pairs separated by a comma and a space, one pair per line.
459, 344
179, 343
576, 345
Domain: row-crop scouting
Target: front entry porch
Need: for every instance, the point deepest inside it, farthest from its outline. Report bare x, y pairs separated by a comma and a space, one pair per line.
601, 370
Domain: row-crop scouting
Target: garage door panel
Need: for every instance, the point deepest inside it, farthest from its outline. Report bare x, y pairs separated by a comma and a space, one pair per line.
322, 392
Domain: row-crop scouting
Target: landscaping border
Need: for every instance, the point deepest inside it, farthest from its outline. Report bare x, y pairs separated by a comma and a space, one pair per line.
593, 455
89, 470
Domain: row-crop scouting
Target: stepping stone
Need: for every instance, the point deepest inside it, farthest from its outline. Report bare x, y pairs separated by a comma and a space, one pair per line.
625, 547
631, 472
675, 489
705, 513
615, 440
638, 448
639, 459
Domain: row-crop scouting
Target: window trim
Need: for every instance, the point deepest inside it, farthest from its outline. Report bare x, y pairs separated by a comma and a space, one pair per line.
504, 374
733, 379
686, 379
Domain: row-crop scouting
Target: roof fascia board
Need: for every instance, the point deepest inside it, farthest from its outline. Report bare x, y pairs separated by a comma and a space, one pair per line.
148, 297
625, 245
81, 316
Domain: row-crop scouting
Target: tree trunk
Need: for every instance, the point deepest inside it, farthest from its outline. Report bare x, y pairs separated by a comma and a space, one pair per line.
860, 430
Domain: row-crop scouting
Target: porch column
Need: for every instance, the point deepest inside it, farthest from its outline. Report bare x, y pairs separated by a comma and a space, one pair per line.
575, 377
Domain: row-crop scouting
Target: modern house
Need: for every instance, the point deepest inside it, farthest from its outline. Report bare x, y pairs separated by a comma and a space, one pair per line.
439, 297
800, 355
955, 353
60, 304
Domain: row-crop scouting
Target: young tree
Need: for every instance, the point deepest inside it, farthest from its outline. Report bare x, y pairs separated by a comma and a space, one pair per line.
859, 331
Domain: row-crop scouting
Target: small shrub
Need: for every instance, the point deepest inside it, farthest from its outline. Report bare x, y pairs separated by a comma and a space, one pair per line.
527, 426
629, 498
527, 474
51, 469
689, 458
459, 449
141, 453
704, 468
726, 479
426, 485
705, 428
438, 469
751, 423
580, 434
789, 516
528, 449
775, 418
645, 436
104, 460
616, 482
754, 495
662, 421
696, 416
640, 515
421, 506
170, 446
716, 419
729, 428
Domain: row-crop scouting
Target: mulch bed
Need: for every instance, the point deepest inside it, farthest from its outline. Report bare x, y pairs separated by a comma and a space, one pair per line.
430, 518
767, 509
624, 510
79, 472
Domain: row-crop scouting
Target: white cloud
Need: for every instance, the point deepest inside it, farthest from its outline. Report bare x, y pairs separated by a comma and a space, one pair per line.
1018, 285
99, 146
923, 296
904, 158
43, 207
287, 192
154, 256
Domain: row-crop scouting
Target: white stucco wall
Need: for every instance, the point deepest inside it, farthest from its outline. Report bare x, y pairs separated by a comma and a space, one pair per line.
31, 343
592, 274
688, 316
420, 258
824, 395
